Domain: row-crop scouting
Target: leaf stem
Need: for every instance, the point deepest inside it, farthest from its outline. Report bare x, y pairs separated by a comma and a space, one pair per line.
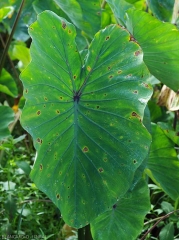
103, 4
10, 37
161, 218
175, 11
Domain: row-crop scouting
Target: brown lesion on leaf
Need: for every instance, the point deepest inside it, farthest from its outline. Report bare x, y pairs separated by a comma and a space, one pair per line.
134, 114
61, 98
69, 31
88, 68
45, 98
132, 39
58, 111
58, 196
134, 161
101, 170
38, 112
135, 92
119, 71
39, 140
64, 25
26, 91
85, 149
137, 53
41, 167
107, 38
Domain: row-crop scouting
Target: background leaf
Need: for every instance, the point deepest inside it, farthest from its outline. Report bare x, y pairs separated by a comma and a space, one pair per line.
126, 216
89, 133
163, 165
167, 232
7, 117
8, 84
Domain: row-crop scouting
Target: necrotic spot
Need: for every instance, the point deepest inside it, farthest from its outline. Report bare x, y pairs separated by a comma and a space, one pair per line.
107, 38
85, 149
58, 111
58, 196
64, 25
101, 170
41, 167
38, 112
137, 53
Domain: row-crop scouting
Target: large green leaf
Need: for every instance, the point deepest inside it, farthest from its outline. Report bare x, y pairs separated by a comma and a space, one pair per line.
7, 116
86, 120
163, 164
125, 219
159, 41
86, 15
163, 10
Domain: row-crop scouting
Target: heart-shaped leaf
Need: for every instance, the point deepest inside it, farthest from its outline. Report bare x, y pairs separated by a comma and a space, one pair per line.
86, 121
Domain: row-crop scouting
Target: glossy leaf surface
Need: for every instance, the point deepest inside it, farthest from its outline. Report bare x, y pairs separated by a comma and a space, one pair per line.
86, 120
163, 164
8, 84
126, 217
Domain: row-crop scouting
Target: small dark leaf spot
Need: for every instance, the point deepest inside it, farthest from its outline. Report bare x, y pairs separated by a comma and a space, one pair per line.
74, 77
107, 38
110, 76
44, 106
49, 143
38, 112
68, 187
109, 68
61, 97
101, 170
98, 13
68, 196
60, 173
31, 28
53, 27
119, 71
134, 114
39, 140
85, 149
134, 161
97, 107
105, 159
105, 94
129, 75
69, 31
58, 196
146, 85
132, 39
26, 91
45, 98
83, 175
137, 53
58, 111
135, 91
64, 25
114, 206
41, 167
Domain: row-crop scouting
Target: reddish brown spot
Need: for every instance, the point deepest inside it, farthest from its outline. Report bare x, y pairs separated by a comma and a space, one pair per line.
134, 114
137, 53
119, 71
146, 85
64, 25
88, 68
41, 167
101, 170
135, 91
114, 206
45, 98
31, 28
85, 149
107, 38
132, 39
110, 76
38, 112
58, 111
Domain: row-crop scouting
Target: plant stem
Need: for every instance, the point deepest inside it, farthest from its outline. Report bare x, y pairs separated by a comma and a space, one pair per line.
81, 235
162, 218
175, 11
88, 233
103, 4
10, 37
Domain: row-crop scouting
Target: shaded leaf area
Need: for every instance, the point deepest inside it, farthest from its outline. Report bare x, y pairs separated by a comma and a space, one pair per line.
162, 10
159, 41
126, 217
87, 15
86, 121
7, 84
163, 164
167, 232
7, 117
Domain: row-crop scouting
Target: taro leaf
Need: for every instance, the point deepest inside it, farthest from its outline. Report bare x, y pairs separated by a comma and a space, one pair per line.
5, 12
159, 41
163, 10
7, 84
7, 116
86, 16
167, 232
163, 165
85, 120
125, 220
